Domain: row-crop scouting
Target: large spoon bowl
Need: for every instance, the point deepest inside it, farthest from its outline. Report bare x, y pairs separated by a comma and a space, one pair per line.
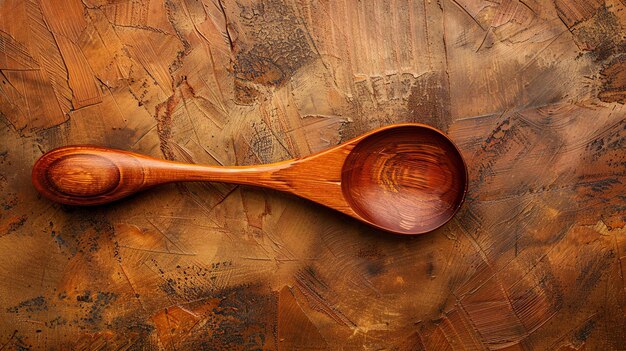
408, 180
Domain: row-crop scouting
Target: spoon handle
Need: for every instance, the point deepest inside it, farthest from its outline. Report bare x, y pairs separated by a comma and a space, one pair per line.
91, 175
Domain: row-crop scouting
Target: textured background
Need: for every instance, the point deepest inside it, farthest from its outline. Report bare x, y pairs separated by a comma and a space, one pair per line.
532, 91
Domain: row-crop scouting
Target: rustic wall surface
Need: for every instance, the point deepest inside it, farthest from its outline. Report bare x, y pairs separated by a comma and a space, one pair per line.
532, 91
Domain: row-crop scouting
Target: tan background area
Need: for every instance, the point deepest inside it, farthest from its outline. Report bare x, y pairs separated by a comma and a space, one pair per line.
532, 92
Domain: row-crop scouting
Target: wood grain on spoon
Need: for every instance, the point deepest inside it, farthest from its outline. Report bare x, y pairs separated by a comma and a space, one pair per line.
406, 179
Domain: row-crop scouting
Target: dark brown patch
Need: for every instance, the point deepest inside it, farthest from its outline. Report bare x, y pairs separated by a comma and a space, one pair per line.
237, 318
276, 46
429, 101
592, 268
602, 34
191, 282
84, 232
94, 306
121, 138
245, 92
9, 202
36, 304
164, 113
14, 224
582, 334
136, 332
373, 259
609, 146
614, 81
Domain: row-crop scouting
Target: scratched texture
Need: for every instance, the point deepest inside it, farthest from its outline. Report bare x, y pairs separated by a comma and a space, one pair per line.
532, 91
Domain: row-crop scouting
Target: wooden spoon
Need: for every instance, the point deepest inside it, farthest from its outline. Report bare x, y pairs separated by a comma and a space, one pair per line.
405, 178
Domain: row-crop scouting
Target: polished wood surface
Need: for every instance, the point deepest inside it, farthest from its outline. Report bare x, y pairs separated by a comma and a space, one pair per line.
531, 92
406, 179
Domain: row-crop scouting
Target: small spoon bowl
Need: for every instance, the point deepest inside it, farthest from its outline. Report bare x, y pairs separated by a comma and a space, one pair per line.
405, 178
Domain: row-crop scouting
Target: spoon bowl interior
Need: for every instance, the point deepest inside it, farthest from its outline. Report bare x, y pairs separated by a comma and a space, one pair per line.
409, 180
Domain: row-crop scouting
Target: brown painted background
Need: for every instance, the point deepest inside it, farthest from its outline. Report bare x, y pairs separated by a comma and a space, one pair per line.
532, 91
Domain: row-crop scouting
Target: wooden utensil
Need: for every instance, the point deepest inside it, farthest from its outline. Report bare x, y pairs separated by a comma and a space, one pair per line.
405, 178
